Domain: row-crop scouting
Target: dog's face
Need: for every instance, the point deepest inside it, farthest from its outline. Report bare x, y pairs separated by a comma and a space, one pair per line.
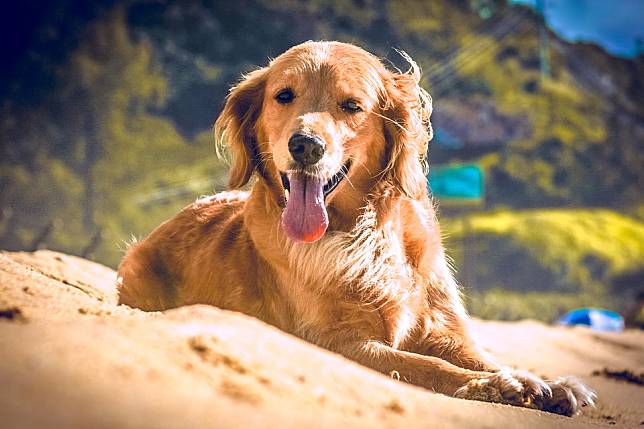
318, 105
322, 118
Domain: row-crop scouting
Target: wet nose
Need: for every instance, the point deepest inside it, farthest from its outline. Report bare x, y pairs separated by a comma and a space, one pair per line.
307, 150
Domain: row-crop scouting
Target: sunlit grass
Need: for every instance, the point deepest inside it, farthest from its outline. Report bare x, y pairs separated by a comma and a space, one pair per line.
540, 263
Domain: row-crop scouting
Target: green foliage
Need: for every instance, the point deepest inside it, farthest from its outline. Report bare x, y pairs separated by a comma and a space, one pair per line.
577, 256
114, 170
580, 149
139, 188
39, 197
567, 122
503, 304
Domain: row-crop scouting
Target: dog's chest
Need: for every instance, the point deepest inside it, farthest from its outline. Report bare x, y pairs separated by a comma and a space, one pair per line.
338, 291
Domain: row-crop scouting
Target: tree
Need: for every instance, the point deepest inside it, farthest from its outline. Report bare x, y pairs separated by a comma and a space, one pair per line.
109, 79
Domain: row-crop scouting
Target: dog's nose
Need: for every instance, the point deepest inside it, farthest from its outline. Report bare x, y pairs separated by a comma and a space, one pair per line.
306, 150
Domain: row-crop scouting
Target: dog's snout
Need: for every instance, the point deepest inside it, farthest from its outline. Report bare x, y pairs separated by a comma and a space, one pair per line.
305, 149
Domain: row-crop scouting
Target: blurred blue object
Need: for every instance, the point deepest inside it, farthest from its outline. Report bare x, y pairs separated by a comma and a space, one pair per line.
598, 319
444, 138
457, 182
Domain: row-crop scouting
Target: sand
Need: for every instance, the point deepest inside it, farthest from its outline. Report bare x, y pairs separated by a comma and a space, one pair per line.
71, 358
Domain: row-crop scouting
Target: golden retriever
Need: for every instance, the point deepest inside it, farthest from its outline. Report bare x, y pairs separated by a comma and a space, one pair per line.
337, 241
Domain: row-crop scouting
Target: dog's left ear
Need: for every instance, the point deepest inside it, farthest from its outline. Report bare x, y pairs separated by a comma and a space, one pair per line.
235, 126
407, 131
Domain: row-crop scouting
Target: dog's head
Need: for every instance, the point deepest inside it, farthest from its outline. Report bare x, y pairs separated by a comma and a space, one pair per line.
324, 124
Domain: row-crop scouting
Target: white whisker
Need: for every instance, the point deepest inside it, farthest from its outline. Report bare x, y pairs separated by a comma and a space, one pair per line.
390, 120
362, 164
345, 175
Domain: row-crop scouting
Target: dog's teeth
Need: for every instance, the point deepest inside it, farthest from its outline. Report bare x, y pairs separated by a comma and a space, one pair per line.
286, 194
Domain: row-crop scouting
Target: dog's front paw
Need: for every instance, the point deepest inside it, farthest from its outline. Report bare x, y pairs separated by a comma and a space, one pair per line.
518, 388
568, 397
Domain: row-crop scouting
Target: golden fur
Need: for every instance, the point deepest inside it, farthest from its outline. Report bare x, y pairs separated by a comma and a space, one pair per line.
376, 287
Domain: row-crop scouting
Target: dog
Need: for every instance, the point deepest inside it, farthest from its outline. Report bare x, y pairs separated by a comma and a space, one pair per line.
337, 241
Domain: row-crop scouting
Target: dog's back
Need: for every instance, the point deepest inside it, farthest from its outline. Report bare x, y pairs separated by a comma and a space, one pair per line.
204, 245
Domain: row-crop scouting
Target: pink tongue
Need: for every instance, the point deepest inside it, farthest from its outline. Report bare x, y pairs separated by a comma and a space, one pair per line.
304, 219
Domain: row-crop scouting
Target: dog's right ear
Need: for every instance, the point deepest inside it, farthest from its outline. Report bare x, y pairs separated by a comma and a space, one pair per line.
235, 127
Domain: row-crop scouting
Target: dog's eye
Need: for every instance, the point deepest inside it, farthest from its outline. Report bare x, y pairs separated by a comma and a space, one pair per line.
351, 106
285, 96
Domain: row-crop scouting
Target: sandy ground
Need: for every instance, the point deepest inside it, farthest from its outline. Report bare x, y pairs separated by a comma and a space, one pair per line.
70, 357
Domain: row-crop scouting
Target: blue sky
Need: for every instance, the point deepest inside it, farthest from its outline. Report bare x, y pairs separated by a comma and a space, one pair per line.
613, 24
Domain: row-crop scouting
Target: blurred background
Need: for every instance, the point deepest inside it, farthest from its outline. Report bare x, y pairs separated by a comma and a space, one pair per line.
106, 110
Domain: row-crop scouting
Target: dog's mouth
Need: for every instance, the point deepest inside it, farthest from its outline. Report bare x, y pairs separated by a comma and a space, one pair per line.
305, 218
329, 186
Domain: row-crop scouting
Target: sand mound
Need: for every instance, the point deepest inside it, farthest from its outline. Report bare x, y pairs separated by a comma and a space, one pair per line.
71, 357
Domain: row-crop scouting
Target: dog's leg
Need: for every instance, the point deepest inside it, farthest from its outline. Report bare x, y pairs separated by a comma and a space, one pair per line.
520, 388
451, 342
516, 388
565, 395
459, 350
